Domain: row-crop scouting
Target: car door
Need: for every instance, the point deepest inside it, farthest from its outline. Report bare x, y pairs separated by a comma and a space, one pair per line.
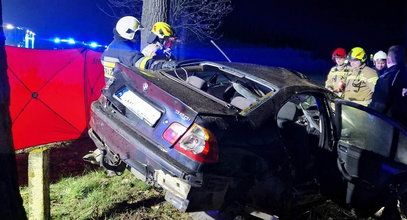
372, 154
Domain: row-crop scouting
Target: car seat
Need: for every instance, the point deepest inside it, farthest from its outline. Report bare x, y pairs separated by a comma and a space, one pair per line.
241, 102
296, 139
197, 82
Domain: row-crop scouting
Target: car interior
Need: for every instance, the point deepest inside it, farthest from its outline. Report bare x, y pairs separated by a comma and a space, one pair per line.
227, 86
298, 122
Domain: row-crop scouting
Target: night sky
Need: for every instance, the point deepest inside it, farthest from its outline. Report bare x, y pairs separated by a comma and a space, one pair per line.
315, 25
80, 19
319, 25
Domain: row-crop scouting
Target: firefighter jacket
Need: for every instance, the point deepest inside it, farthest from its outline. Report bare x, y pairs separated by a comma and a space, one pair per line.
390, 95
125, 51
335, 76
360, 85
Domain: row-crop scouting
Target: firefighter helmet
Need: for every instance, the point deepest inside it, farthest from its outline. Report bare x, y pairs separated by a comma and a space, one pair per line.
339, 52
358, 53
127, 27
162, 29
380, 55
162, 33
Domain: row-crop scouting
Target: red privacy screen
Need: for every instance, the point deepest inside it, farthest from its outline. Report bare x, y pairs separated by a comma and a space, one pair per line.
51, 92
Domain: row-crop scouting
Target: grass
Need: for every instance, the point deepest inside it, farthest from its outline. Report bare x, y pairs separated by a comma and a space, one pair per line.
95, 195
78, 191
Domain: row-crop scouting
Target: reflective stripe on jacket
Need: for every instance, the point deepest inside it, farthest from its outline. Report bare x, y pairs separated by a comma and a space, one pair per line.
122, 49
360, 84
108, 65
125, 52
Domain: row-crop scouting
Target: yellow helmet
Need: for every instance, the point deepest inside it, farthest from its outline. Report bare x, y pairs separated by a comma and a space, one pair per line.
358, 53
162, 29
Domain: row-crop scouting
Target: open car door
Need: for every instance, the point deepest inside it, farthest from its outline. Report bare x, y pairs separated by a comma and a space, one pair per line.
372, 156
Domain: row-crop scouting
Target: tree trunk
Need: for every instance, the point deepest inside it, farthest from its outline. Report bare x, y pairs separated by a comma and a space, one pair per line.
11, 203
153, 11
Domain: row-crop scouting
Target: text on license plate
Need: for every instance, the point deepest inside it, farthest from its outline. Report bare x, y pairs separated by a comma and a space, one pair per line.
138, 106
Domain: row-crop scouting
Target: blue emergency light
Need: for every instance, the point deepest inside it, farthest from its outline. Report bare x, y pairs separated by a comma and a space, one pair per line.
93, 44
57, 40
71, 41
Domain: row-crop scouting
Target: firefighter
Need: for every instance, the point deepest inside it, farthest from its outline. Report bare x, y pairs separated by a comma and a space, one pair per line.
337, 75
379, 61
161, 41
123, 49
361, 80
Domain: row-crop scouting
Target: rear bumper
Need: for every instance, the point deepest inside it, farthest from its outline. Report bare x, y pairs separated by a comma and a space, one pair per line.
186, 189
130, 146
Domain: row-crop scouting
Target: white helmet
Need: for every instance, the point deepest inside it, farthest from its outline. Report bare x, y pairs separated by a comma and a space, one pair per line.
380, 55
128, 26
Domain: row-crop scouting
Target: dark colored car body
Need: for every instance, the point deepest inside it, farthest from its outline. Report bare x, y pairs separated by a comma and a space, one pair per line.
220, 135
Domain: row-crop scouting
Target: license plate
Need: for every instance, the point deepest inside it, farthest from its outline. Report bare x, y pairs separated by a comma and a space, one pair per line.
138, 106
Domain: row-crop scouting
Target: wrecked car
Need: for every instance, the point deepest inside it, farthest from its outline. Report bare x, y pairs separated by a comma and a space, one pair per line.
234, 136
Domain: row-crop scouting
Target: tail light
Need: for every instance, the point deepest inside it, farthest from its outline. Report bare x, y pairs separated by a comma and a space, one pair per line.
174, 132
199, 144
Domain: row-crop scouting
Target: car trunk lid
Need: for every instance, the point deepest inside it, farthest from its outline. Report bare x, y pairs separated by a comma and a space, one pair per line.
151, 110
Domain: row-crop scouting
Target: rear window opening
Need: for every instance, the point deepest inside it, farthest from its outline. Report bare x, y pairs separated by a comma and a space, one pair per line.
236, 88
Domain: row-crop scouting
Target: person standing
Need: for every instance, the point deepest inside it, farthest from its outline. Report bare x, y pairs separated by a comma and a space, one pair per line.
379, 61
361, 80
390, 96
123, 49
337, 75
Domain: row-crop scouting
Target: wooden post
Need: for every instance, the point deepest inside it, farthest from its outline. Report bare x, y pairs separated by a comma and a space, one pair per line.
38, 184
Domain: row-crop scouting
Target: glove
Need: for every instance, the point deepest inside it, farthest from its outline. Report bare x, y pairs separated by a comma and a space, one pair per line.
341, 86
150, 50
169, 64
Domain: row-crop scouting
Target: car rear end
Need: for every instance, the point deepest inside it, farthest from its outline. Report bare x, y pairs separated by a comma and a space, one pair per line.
159, 137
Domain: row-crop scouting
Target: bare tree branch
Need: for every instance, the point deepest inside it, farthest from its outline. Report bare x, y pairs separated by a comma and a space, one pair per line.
109, 12
119, 8
198, 18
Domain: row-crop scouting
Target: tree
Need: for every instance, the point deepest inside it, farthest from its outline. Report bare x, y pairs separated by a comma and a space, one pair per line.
153, 11
191, 19
11, 205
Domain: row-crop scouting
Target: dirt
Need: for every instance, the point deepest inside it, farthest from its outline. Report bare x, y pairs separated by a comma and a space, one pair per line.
65, 159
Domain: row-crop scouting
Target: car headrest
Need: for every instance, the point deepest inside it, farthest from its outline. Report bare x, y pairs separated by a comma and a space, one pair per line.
286, 113
241, 102
196, 82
